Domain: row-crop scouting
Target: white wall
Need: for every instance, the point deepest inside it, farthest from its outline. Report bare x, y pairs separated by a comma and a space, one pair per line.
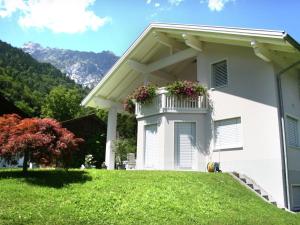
291, 99
251, 95
166, 135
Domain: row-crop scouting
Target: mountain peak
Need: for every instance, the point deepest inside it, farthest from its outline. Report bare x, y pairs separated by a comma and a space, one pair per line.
85, 68
31, 45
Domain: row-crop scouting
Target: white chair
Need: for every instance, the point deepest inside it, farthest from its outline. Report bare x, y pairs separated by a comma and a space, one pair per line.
130, 163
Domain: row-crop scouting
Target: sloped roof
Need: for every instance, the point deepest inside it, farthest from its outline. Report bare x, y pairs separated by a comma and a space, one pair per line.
122, 79
7, 107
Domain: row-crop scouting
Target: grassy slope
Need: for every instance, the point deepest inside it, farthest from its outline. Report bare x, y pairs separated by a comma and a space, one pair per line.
131, 197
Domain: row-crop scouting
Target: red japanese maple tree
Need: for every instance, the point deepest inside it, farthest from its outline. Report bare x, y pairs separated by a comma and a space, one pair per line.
42, 141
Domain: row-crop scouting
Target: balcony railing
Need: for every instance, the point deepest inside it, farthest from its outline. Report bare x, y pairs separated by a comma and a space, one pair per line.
163, 102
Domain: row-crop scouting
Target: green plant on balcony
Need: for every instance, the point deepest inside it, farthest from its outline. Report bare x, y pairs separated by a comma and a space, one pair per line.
143, 95
129, 105
189, 89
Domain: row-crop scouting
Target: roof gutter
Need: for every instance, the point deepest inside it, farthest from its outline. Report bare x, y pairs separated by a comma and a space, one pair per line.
282, 128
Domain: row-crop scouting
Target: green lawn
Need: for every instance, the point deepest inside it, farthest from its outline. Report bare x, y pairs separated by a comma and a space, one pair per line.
131, 197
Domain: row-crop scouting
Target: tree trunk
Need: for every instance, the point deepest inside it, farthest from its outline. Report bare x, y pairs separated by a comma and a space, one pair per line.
25, 162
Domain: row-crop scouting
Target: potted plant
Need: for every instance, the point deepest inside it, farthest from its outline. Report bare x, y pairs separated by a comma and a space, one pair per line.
143, 95
129, 104
189, 89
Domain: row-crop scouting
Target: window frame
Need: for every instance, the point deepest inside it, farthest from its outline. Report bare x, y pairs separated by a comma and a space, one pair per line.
238, 147
212, 80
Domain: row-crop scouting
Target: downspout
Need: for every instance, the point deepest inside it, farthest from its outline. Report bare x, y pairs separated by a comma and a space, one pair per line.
282, 131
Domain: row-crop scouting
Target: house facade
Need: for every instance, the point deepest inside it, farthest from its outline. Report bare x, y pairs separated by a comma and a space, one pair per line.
249, 122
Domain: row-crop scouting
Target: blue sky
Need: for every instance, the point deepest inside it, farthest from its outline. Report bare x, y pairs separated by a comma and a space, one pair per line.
113, 25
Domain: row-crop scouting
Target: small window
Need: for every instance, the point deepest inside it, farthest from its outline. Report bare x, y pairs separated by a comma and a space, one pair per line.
219, 74
292, 131
228, 134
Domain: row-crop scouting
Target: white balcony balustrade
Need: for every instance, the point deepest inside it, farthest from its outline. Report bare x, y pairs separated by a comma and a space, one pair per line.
163, 102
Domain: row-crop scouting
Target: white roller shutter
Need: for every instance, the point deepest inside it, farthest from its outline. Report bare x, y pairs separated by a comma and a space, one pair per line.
228, 134
151, 146
292, 132
296, 197
185, 142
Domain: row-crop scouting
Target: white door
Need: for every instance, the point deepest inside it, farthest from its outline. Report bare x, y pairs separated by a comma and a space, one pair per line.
151, 146
184, 144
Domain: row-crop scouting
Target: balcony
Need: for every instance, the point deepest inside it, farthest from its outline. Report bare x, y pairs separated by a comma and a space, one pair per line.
165, 103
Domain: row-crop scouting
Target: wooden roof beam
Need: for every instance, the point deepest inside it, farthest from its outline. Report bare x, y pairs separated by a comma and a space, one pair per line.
192, 42
105, 103
173, 59
164, 62
143, 70
137, 66
169, 42
261, 51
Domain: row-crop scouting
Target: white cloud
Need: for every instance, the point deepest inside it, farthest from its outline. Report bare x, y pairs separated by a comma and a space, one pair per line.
60, 16
217, 5
157, 4
8, 7
175, 2
148, 1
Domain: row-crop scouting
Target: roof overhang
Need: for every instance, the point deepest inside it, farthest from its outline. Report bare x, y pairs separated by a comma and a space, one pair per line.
172, 43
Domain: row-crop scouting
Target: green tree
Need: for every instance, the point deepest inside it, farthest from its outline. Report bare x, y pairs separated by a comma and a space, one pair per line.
62, 103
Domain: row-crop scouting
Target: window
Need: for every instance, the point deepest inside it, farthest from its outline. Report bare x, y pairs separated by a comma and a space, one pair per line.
292, 131
228, 134
219, 74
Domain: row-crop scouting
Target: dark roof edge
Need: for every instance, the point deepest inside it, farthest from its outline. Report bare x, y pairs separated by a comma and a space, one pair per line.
292, 41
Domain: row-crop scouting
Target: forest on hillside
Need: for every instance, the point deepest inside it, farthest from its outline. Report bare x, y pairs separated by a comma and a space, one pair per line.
26, 82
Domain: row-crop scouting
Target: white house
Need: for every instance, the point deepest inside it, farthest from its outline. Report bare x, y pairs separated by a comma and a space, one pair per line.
250, 124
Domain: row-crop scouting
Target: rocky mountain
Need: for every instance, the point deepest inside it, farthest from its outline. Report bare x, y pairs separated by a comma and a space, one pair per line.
85, 68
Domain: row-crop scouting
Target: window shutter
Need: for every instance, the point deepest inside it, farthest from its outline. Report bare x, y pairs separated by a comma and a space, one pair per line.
292, 131
228, 134
220, 74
